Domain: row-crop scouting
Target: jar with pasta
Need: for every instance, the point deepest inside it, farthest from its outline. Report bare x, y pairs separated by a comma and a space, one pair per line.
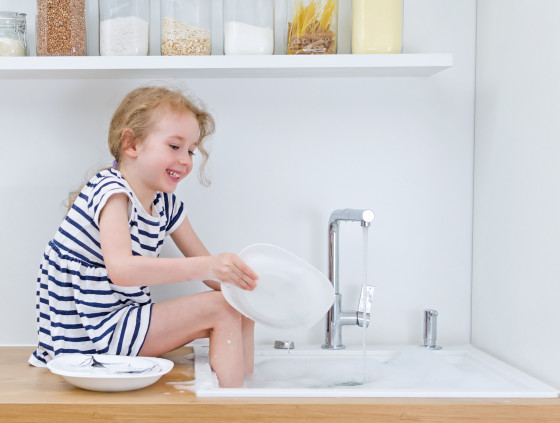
312, 26
61, 28
186, 27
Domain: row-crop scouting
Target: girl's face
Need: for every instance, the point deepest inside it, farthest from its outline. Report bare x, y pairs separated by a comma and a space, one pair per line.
165, 156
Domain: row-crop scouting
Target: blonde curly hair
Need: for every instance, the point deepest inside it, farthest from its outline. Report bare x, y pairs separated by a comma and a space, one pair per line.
135, 112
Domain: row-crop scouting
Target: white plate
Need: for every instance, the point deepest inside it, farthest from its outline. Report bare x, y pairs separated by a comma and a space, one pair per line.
290, 293
114, 376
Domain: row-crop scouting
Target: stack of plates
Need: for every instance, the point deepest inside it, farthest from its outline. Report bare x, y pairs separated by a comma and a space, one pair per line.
109, 373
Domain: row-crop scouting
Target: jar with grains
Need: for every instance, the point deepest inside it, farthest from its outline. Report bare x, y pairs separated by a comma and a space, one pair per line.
312, 26
248, 27
377, 26
186, 27
61, 28
12, 34
124, 27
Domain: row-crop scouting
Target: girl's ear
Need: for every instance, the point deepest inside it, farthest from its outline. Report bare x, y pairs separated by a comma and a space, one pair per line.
129, 144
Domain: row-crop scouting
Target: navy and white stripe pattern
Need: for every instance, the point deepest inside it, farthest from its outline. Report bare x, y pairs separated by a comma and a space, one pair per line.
79, 309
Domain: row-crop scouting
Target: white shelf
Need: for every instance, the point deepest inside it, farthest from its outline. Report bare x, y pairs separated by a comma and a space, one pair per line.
340, 65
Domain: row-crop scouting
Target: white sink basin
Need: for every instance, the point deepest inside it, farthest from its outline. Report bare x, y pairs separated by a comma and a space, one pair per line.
453, 372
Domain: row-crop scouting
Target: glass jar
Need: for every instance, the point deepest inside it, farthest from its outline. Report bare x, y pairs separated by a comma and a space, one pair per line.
12, 34
248, 27
377, 26
124, 27
61, 28
186, 27
312, 26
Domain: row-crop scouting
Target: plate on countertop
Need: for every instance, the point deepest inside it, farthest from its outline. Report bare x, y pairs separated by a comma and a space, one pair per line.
109, 373
290, 293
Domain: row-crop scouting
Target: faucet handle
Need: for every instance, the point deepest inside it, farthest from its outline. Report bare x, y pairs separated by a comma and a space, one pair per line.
430, 329
365, 304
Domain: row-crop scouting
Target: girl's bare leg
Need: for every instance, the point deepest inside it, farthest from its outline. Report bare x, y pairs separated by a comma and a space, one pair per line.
177, 322
248, 335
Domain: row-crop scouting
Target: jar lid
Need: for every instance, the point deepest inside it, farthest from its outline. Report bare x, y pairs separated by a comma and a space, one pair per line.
12, 19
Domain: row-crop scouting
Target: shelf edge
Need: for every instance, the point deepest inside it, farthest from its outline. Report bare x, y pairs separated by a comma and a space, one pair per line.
224, 66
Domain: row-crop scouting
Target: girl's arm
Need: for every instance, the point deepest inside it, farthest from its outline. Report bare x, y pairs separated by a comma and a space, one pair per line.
126, 269
190, 245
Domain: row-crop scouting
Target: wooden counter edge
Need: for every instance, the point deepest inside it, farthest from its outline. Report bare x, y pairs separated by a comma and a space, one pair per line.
244, 412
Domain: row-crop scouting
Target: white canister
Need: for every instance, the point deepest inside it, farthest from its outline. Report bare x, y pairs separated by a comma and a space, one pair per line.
248, 27
124, 28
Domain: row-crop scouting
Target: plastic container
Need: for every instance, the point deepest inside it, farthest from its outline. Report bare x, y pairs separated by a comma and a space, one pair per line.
61, 28
12, 34
377, 26
248, 27
312, 27
124, 27
186, 27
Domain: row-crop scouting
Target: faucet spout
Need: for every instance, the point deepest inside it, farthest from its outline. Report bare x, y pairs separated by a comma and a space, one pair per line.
336, 318
365, 217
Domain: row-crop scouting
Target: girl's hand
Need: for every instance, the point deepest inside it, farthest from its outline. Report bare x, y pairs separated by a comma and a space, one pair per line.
229, 268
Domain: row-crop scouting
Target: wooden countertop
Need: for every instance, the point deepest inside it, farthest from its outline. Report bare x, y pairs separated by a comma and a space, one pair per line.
29, 394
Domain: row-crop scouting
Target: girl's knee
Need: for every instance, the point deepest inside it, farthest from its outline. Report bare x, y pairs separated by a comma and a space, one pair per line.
223, 309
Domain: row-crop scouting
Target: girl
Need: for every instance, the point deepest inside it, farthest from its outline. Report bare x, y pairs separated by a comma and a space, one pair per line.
93, 285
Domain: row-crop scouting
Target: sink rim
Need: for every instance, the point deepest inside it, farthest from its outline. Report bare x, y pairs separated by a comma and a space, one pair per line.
206, 384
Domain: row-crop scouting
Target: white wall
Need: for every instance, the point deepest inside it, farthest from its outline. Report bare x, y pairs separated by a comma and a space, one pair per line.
286, 153
516, 277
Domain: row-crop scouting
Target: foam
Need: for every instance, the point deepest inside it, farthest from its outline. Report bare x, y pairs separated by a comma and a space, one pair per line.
415, 369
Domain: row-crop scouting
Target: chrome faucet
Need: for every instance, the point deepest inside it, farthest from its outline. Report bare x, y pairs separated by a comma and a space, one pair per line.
336, 318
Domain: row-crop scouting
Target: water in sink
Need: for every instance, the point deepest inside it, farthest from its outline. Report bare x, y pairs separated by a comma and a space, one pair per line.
389, 372
413, 368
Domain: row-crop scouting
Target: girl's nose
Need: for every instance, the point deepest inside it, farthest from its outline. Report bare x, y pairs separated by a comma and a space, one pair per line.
185, 159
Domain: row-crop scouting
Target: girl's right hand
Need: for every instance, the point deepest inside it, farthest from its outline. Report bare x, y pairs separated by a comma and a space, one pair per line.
229, 268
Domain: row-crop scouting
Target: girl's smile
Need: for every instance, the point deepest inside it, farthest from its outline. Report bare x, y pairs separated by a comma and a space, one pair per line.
174, 175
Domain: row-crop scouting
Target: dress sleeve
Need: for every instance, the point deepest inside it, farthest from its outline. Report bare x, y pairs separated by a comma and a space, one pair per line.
103, 191
175, 212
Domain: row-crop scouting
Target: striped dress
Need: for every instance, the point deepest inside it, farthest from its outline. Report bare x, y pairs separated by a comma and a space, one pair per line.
79, 309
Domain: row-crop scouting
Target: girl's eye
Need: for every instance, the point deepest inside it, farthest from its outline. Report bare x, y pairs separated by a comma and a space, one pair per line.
191, 153
174, 147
